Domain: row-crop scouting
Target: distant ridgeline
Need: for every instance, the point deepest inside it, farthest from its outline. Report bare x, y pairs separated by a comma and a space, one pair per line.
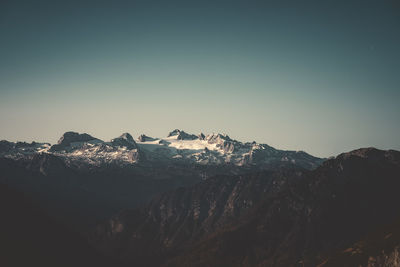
177, 147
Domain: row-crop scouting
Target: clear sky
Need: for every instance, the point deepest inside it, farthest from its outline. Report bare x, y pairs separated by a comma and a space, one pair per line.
319, 76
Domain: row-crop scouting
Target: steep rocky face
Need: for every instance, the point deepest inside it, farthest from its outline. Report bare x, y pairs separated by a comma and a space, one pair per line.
312, 217
180, 218
224, 142
68, 140
125, 140
281, 218
46, 164
379, 248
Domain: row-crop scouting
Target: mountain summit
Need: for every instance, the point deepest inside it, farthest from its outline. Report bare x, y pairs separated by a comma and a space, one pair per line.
182, 135
125, 140
70, 138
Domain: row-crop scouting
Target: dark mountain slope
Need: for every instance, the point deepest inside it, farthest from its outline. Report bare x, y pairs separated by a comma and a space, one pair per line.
325, 211
85, 197
280, 218
28, 237
180, 218
378, 248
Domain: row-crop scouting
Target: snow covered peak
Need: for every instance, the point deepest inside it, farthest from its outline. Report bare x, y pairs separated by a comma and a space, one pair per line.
216, 138
83, 148
11, 148
179, 146
182, 135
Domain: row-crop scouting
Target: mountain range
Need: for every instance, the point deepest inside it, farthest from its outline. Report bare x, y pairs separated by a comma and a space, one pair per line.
196, 200
177, 147
125, 173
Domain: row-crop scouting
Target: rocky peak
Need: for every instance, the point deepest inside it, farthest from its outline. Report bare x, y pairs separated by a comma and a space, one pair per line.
223, 141
71, 137
125, 140
174, 132
201, 136
218, 137
182, 135
6, 146
25, 144
145, 138
127, 137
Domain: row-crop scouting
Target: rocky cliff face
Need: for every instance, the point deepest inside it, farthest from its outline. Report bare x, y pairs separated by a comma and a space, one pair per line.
385, 259
182, 135
69, 140
125, 140
378, 248
279, 218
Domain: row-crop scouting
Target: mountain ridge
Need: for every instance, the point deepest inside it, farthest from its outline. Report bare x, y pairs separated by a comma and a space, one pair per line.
215, 149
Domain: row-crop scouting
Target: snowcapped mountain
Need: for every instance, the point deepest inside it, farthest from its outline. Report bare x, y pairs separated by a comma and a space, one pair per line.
124, 172
18, 149
177, 147
218, 149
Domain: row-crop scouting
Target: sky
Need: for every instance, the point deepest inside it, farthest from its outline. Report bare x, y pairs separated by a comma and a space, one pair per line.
318, 76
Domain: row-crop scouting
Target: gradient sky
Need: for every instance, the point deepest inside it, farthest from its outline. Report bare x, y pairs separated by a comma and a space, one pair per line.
319, 76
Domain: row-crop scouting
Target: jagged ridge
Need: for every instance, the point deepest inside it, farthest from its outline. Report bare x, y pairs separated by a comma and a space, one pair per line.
179, 147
